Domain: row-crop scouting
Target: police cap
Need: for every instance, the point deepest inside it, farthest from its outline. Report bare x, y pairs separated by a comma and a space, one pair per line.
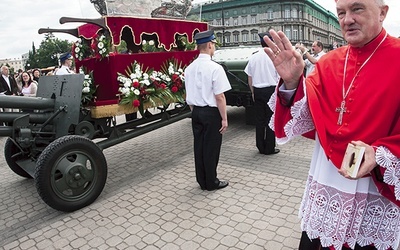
205, 36
65, 56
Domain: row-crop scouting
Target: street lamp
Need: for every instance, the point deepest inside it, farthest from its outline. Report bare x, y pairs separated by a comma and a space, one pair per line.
223, 23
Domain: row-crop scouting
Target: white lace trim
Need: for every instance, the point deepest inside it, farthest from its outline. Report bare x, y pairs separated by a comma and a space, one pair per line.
391, 163
301, 121
337, 217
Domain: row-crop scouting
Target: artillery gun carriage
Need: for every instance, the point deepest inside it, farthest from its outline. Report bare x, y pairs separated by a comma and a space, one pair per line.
58, 142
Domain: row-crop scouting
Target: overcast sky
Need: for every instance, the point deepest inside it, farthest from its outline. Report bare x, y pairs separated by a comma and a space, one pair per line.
20, 21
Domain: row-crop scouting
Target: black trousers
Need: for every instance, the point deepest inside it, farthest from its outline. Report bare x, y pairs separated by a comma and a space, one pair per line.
265, 137
206, 122
315, 244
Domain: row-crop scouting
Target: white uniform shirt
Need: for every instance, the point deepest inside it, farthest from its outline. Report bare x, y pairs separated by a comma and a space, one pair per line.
309, 65
204, 79
262, 70
64, 70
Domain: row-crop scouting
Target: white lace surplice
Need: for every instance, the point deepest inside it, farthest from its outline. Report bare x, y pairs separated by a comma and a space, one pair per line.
338, 210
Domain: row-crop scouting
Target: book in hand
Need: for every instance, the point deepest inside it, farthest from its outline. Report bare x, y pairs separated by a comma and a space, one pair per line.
352, 159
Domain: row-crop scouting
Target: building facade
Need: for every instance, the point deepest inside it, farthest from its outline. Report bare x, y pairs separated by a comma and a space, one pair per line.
14, 63
238, 22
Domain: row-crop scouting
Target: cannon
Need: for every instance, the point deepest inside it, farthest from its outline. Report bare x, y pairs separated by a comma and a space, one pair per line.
52, 140
58, 141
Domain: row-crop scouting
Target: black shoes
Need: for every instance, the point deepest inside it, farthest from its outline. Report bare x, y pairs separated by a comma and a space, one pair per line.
272, 153
221, 184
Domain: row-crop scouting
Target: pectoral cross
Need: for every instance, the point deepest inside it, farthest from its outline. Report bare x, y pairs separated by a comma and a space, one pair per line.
341, 110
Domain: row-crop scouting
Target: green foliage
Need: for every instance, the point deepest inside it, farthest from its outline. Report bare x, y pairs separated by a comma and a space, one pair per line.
46, 55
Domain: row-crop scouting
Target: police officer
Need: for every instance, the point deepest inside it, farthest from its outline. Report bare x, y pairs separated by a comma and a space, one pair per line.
262, 80
205, 83
66, 63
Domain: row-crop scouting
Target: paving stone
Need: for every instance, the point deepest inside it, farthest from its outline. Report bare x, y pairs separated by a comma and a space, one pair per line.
152, 201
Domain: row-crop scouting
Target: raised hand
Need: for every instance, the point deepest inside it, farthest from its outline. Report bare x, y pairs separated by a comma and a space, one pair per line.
287, 61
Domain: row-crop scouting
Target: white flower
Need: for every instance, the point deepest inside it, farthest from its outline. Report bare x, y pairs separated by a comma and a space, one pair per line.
86, 90
100, 45
136, 92
102, 37
146, 82
127, 84
77, 49
144, 42
180, 70
151, 42
145, 76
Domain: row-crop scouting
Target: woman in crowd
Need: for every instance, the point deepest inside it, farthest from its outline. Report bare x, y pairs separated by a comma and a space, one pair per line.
29, 87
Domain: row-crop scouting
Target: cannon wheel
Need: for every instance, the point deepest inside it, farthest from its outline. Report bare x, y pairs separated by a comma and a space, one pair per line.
12, 154
70, 173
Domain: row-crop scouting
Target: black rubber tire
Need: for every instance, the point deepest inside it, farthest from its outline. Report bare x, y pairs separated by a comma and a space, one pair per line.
12, 154
70, 173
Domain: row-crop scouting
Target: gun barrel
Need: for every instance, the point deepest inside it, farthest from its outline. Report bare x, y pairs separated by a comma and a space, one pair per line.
22, 102
73, 32
6, 131
33, 117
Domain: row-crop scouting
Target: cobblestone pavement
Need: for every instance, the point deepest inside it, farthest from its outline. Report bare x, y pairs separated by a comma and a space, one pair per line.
152, 201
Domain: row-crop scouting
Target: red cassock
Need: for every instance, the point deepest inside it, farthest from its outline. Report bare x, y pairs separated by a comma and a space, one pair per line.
372, 105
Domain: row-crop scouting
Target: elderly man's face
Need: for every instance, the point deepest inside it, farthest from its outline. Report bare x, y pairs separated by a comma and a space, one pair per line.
4, 71
360, 20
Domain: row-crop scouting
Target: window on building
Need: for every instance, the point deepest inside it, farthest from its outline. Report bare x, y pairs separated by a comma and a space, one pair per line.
244, 20
245, 37
287, 12
294, 13
288, 33
235, 21
254, 36
219, 22
253, 19
235, 37
295, 35
226, 22
227, 37
270, 14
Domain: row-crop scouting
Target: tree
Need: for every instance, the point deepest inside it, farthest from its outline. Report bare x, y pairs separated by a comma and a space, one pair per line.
47, 53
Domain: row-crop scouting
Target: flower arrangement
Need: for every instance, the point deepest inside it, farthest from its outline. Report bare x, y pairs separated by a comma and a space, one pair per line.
149, 46
81, 50
101, 45
143, 88
88, 88
175, 78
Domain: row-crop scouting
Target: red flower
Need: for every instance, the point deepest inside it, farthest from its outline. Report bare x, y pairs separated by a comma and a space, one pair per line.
135, 84
174, 89
163, 86
175, 77
136, 103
